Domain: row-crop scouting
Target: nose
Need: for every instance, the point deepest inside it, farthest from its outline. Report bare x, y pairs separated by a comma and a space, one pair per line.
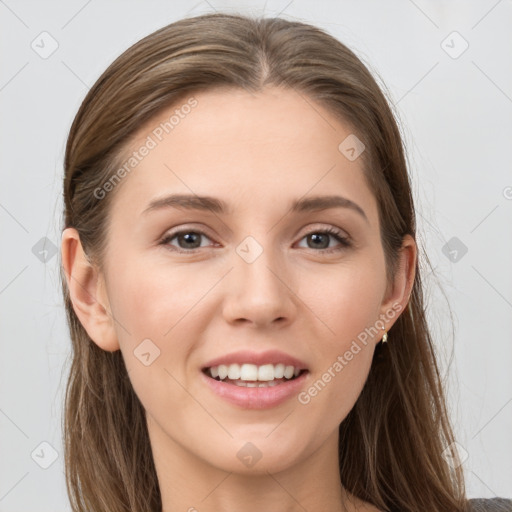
260, 292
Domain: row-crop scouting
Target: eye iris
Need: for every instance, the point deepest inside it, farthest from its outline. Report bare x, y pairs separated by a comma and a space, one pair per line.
318, 236
190, 237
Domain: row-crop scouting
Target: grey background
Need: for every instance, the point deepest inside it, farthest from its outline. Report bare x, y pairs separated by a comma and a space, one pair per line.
455, 115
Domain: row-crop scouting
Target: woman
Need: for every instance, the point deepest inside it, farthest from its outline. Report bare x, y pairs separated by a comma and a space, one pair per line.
242, 286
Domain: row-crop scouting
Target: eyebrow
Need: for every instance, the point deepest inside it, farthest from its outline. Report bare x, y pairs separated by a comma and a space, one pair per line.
212, 204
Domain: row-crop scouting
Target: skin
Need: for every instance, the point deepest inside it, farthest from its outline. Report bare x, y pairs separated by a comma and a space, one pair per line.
294, 297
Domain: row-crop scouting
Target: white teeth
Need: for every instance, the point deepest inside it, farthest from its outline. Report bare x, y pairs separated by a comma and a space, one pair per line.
279, 371
254, 384
266, 372
234, 371
223, 371
250, 373
288, 372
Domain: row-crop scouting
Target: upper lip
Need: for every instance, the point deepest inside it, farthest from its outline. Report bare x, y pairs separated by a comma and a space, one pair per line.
258, 358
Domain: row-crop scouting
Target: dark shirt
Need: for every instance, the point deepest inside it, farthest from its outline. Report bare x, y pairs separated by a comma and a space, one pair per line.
490, 505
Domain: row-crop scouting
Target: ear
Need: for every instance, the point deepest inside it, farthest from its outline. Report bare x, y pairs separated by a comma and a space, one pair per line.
397, 295
87, 292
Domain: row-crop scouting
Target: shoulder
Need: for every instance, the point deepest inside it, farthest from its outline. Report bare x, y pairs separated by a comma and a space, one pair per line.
490, 505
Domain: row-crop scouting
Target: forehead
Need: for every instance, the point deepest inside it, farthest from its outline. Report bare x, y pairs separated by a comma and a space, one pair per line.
255, 149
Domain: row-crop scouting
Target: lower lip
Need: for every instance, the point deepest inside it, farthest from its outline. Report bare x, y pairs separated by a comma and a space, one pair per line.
256, 398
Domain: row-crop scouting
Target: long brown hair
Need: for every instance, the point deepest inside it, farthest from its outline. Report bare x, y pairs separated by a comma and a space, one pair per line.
391, 442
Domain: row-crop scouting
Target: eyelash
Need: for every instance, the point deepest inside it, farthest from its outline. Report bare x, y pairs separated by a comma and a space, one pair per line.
344, 241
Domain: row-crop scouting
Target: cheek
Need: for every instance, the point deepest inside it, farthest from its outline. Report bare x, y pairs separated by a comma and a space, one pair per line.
346, 301
156, 336
337, 384
154, 322
151, 300
348, 305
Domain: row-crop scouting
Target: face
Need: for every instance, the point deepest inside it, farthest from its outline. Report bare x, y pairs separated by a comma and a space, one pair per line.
256, 282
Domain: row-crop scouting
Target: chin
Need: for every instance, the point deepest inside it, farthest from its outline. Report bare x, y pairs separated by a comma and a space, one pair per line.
258, 455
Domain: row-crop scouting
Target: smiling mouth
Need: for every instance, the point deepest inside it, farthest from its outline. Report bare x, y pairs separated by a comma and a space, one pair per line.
253, 376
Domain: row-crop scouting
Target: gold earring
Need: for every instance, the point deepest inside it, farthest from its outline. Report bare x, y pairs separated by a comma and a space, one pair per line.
385, 337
